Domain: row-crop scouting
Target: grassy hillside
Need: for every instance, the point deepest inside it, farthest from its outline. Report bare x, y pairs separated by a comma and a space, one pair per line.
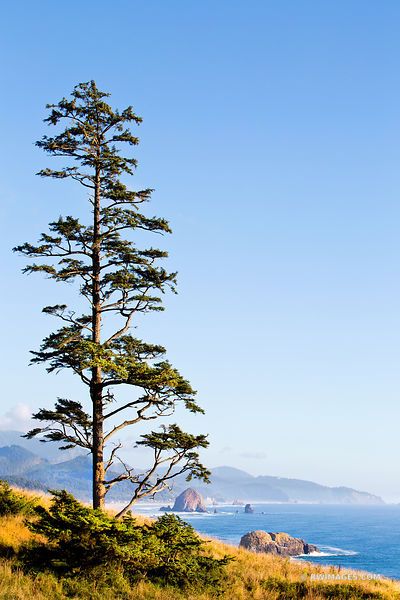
250, 577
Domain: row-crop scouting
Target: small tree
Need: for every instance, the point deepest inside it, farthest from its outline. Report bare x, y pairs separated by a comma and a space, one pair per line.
77, 540
117, 279
12, 503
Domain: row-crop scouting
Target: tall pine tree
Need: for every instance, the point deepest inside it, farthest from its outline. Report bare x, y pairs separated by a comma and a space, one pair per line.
116, 279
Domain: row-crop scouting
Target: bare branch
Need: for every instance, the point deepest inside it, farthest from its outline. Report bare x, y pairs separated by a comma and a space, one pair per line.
110, 461
139, 417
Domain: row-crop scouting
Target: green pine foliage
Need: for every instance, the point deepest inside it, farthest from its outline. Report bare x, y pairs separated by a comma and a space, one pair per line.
12, 503
78, 539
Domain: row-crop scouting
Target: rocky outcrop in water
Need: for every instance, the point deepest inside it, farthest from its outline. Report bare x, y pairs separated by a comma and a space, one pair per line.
276, 543
248, 509
189, 501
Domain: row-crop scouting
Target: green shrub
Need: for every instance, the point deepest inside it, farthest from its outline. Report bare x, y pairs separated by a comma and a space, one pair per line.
182, 562
79, 539
12, 503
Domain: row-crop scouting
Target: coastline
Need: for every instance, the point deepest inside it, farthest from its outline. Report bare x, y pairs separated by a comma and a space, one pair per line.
341, 532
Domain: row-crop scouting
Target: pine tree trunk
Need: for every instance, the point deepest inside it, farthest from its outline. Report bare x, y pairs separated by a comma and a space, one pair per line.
96, 390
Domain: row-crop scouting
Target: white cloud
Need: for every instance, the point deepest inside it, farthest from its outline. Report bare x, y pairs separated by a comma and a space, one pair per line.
18, 418
254, 455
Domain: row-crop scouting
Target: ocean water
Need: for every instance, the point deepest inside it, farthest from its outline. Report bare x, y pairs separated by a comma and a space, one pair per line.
357, 537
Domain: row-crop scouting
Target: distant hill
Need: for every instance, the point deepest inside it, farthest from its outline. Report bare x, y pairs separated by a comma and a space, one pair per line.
23, 468
228, 483
49, 451
15, 460
27, 469
73, 475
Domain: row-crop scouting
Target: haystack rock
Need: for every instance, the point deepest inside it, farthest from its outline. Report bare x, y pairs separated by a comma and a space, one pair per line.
276, 543
248, 509
189, 501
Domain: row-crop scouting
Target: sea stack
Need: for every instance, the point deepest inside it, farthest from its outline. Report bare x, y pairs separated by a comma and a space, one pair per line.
189, 501
276, 543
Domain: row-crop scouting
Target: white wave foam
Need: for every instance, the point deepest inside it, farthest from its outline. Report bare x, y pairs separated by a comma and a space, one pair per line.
330, 551
189, 515
192, 515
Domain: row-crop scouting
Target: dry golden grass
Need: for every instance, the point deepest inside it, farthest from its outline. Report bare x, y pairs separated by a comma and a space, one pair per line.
13, 532
36, 495
250, 577
250, 572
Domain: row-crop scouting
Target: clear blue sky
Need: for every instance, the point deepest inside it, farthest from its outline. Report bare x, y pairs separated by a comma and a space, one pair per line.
272, 136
